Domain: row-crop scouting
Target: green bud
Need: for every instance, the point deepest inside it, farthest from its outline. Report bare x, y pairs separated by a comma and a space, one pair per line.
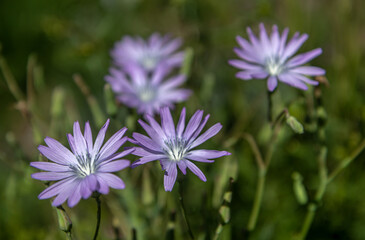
299, 189
64, 221
295, 124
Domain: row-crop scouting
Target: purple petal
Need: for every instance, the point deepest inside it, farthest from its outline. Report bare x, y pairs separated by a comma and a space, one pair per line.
112, 180
167, 122
75, 196
272, 83
182, 166
120, 155
140, 152
114, 166
55, 188
208, 154
156, 126
208, 134
246, 55
146, 142
58, 149
198, 159
292, 81
51, 176
91, 182
265, 42
52, 167
309, 70
66, 192
173, 82
170, 176
110, 145
108, 152
100, 138
151, 132
181, 124
303, 58
244, 65
103, 186
147, 159
85, 189
294, 45
304, 79
275, 39
80, 143
196, 170
193, 124
283, 39
200, 128
88, 137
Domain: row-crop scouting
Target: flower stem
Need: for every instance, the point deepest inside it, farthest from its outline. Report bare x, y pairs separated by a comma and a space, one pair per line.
257, 202
269, 106
183, 209
98, 215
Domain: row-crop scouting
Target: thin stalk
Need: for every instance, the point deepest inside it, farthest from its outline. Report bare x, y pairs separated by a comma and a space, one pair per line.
269, 106
257, 202
98, 216
346, 161
183, 209
263, 166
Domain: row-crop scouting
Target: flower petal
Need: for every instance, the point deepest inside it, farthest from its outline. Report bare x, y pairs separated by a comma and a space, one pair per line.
51, 176
112, 180
212, 131
196, 170
52, 167
167, 122
114, 166
272, 83
170, 176
100, 138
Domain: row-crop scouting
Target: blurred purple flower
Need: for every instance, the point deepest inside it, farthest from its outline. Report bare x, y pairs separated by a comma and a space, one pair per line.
84, 170
147, 92
272, 58
174, 147
157, 50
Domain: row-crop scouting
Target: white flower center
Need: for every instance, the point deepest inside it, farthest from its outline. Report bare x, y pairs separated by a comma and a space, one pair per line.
86, 165
147, 94
273, 66
176, 149
149, 61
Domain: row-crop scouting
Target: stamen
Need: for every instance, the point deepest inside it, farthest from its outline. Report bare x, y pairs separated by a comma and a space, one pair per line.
176, 149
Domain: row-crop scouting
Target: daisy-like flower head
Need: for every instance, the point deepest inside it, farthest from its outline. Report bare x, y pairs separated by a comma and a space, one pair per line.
147, 92
272, 58
147, 54
175, 147
85, 169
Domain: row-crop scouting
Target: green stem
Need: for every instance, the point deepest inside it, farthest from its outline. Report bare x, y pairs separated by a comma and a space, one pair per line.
346, 161
311, 211
183, 209
269, 106
98, 216
257, 202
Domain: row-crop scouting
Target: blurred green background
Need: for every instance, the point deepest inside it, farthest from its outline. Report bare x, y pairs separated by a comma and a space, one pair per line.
45, 43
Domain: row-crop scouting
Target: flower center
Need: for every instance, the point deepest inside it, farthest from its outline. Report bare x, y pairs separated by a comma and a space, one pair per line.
86, 165
176, 149
149, 61
273, 66
146, 94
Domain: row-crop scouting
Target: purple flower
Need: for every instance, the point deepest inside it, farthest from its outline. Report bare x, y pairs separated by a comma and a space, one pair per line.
174, 147
272, 58
84, 170
147, 54
147, 92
